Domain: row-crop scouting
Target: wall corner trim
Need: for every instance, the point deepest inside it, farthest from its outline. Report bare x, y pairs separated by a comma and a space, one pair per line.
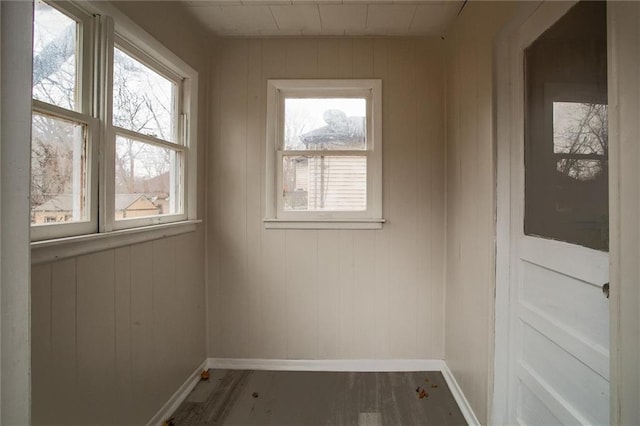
178, 397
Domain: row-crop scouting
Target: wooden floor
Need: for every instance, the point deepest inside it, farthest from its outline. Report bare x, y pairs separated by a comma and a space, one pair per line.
236, 397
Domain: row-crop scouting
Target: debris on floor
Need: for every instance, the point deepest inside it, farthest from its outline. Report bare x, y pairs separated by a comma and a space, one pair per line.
168, 422
421, 393
434, 386
255, 394
204, 375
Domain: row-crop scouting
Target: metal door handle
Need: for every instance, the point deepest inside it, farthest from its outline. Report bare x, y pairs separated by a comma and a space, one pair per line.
605, 290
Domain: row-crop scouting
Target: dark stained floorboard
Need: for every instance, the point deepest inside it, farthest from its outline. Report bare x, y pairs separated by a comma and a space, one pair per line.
233, 397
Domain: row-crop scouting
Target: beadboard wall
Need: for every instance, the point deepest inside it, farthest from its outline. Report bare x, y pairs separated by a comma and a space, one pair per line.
327, 294
469, 331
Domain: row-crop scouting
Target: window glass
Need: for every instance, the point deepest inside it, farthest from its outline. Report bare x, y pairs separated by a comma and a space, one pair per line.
324, 183
325, 124
54, 57
147, 179
566, 139
58, 171
143, 100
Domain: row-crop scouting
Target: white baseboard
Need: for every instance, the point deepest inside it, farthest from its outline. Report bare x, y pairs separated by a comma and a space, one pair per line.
360, 365
457, 393
176, 399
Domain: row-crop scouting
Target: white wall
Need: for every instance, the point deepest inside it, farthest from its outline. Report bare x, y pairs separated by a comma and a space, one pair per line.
115, 333
470, 234
327, 294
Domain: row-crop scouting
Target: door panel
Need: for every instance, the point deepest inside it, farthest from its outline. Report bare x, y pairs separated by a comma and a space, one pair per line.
534, 411
562, 332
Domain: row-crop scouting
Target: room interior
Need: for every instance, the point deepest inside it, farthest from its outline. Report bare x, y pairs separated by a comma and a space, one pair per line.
119, 333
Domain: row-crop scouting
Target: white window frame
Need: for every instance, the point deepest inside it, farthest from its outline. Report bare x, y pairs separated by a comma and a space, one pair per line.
180, 145
104, 26
82, 114
275, 214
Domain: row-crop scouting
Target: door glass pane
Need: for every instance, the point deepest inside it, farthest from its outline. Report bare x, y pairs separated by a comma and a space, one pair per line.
566, 136
58, 171
324, 183
143, 100
54, 56
147, 180
319, 124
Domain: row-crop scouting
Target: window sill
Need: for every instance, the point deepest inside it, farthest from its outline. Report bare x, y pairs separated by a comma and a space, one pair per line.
324, 224
61, 248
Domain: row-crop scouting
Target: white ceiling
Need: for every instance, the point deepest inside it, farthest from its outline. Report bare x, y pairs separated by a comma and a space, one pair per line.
324, 17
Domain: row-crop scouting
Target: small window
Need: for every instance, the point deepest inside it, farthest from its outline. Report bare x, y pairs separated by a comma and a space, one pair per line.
324, 154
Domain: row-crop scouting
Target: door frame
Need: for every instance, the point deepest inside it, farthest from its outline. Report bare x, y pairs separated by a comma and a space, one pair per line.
529, 22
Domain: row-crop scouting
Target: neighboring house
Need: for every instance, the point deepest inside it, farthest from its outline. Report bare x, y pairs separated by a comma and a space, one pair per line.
135, 205
332, 183
59, 209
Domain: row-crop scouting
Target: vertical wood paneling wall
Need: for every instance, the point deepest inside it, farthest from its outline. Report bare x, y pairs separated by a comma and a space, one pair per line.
327, 294
117, 332
470, 261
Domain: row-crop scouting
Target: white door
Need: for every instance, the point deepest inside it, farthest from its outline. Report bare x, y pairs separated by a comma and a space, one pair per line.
557, 189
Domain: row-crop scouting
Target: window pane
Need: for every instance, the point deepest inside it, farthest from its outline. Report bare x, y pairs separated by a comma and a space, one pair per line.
147, 180
566, 165
54, 57
324, 183
58, 171
143, 100
318, 124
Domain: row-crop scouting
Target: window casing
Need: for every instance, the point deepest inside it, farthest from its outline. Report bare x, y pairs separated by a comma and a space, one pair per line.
324, 154
162, 171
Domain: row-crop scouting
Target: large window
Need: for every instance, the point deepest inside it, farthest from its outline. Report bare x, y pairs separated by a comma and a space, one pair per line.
324, 154
111, 128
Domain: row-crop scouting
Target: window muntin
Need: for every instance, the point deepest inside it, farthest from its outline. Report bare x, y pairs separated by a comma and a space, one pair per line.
324, 152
